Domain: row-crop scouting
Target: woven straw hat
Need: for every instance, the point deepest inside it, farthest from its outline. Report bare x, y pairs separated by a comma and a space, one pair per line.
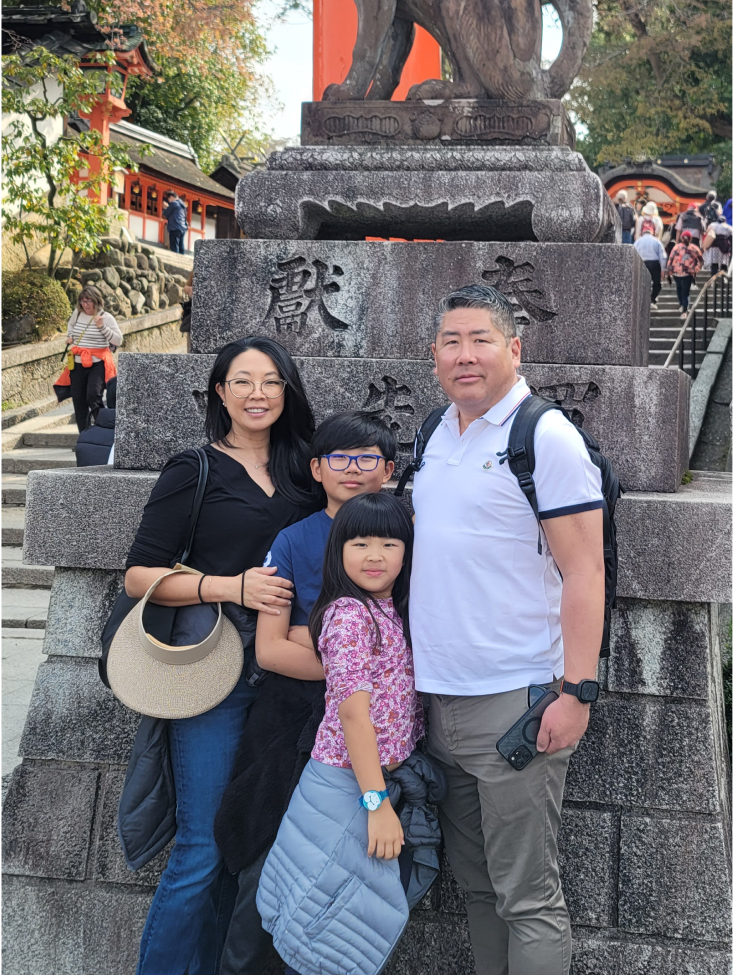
173, 682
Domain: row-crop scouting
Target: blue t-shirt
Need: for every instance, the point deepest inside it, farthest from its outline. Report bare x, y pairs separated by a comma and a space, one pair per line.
298, 554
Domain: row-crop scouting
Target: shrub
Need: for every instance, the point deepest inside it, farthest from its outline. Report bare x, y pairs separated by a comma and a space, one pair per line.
34, 306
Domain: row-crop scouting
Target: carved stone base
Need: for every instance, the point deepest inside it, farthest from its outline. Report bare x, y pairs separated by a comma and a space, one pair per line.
466, 121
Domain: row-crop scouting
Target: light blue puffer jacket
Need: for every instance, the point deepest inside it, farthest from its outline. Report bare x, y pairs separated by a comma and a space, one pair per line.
330, 908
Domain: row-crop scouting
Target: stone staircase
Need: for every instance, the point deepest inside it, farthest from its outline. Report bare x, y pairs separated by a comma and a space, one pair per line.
41, 443
665, 325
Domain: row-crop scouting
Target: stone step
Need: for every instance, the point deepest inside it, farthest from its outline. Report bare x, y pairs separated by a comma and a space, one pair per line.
13, 524
13, 487
63, 436
13, 435
26, 608
25, 459
17, 575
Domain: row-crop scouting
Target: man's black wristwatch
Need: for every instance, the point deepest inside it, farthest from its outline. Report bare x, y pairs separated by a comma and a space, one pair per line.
586, 691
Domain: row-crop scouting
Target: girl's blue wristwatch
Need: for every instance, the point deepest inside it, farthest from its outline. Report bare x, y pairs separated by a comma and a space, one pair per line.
373, 800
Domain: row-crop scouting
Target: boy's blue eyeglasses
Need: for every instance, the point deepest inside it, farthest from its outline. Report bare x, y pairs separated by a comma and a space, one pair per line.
365, 462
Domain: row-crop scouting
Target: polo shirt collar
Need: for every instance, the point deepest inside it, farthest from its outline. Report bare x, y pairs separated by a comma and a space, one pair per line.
501, 411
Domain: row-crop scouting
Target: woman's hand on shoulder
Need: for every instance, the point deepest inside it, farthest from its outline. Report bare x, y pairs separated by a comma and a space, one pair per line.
265, 591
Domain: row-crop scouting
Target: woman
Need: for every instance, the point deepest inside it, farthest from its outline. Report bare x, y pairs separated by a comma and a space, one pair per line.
684, 262
717, 244
89, 334
260, 424
649, 220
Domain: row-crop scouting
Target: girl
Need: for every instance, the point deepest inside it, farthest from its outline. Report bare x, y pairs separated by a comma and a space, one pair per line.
330, 891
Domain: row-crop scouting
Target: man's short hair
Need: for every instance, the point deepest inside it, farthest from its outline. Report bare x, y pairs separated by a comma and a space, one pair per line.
480, 296
353, 428
622, 196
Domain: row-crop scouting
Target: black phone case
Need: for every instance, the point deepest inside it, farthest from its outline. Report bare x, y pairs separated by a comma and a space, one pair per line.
519, 745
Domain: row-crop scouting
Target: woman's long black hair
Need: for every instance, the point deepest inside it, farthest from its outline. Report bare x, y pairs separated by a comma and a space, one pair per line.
290, 434
368, 515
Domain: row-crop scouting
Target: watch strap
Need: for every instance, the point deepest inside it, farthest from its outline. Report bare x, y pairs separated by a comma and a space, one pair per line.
575, 689
384, 794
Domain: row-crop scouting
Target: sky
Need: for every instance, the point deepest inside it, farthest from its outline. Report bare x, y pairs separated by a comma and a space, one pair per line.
290, 66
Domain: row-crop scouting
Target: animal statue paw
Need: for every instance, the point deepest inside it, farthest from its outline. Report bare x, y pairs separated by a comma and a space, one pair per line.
435, 88
340, 93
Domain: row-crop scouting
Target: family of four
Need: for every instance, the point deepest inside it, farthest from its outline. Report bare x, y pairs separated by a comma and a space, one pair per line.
302, 816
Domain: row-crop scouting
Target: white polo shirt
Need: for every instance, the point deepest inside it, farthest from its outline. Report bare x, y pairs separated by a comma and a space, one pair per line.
484, 605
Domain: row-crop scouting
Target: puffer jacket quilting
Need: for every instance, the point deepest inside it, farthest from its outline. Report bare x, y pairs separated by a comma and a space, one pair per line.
330, 908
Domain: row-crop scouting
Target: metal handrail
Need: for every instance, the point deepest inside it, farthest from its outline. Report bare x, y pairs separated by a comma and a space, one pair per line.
725, 273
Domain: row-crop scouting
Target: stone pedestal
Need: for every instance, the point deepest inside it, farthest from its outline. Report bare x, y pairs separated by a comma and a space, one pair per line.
646, 819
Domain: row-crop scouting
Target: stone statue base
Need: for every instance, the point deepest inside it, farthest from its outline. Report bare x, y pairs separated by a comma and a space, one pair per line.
465, 121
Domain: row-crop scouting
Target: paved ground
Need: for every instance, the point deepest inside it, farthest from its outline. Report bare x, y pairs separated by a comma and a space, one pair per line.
21, 655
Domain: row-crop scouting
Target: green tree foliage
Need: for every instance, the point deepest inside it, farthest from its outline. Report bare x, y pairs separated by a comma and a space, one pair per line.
656, 79
34, 293
198, 99
45, 195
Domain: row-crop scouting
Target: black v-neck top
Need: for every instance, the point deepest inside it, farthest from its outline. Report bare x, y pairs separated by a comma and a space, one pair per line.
236, 527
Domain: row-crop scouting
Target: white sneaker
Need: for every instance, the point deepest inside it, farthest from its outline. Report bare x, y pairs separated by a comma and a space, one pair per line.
655, 305
683, 315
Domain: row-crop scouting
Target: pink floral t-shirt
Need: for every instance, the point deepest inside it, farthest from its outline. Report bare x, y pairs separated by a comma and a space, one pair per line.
352, 661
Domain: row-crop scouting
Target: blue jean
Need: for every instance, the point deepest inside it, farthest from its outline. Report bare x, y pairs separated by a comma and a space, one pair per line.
175, 240
683, 284
627, 237
185, 910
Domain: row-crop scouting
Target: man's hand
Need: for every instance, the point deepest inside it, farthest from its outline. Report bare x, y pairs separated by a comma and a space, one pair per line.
386, 837
563, 724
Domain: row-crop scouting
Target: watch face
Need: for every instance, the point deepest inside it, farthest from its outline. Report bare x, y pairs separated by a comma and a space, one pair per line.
372, 800
589, 692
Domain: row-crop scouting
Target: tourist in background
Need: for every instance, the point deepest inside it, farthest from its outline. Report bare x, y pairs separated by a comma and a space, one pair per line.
684, 263
92, 334
627, 217
259, 424
175, 212
710, 208
717, 244
649, 221
692, 222
651, 251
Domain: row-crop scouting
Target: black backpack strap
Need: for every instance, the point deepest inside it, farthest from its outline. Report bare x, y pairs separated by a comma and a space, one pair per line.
427, 428
520, 451
197, 502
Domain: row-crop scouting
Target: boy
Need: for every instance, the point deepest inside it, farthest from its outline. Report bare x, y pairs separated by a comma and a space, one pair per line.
352, 453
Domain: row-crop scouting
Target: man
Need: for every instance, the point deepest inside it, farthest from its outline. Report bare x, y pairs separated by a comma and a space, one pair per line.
709, 209
490, 616
692, 221
650, 250
174, 212
627, 217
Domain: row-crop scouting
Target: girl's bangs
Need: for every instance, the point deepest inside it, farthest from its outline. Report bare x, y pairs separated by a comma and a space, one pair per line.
380, 520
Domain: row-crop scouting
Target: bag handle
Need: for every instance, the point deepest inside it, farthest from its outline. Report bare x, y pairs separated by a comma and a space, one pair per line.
176, 655
198, 499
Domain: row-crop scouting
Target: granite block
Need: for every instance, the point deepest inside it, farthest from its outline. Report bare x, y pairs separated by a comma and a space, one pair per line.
614, 957
64, 928
433, 945
378, 299
588, 854
452, 900
673, 879
633, 412
119, 499
81, 602
73, 717
451, 158
659, 648
448, 205
437, 122
109, 861
47, 822
648, 753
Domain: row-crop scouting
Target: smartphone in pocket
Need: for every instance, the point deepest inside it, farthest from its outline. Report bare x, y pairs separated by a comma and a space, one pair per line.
519, 745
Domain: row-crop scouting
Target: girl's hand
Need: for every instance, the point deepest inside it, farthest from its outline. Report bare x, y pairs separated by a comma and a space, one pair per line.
386, 837
264, 591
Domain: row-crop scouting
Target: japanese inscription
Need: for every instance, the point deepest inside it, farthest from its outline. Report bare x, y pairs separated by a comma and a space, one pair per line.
298, 288
570, 396
393, 404
516, 282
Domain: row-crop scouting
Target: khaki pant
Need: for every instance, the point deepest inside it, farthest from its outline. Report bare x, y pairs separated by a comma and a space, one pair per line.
500, 828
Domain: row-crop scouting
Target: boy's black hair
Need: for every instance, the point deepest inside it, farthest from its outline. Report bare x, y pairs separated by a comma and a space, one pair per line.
368, 515
354, 428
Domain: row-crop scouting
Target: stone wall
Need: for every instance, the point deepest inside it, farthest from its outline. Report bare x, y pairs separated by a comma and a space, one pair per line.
29, 371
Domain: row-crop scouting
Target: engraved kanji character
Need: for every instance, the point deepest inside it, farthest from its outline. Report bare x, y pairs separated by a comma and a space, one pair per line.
516, 282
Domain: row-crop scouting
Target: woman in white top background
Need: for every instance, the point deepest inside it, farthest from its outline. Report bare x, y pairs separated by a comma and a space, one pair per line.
90, 333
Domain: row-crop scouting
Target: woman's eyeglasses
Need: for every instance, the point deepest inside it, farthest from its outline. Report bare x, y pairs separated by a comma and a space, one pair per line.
242, 388
365, 462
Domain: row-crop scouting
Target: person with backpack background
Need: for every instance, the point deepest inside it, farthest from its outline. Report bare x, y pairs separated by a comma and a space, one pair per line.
649, 221
691, 221
650, 250
717, 244
627, 217
684, 262
494, 609
709, 209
